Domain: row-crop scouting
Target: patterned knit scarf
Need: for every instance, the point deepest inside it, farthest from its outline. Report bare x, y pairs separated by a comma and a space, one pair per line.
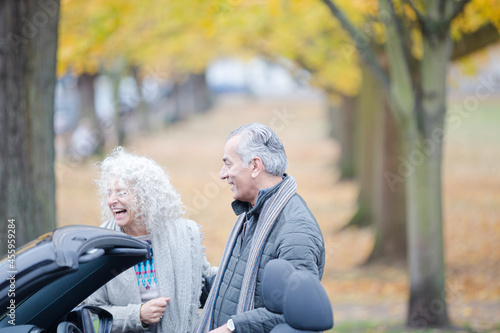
270, 212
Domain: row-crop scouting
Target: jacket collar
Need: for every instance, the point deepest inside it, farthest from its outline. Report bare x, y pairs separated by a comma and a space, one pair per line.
240, 207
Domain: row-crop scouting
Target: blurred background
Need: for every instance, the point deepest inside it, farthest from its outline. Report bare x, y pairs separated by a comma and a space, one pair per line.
170, 80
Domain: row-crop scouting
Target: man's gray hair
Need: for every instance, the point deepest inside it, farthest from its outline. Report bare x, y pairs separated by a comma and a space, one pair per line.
258, 140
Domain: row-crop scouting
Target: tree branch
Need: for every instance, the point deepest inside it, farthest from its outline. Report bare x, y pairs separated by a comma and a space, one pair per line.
402, 88
441, 7
365, 51
406, 40
399, 24
420, 16
475, 41
459, 7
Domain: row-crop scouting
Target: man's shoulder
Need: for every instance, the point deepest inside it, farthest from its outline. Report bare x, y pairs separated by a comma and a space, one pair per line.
298, 228
297, 206
297, 216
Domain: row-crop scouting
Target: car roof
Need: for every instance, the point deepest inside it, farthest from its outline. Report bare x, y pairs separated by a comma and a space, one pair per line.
56, 272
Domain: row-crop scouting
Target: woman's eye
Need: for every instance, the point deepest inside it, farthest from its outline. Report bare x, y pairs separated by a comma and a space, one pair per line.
120, 193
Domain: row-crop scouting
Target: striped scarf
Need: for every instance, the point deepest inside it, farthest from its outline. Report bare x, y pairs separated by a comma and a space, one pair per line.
270, 212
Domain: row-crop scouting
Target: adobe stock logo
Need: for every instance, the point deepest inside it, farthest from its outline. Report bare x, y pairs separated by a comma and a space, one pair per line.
31, 26
281, 119
457, 113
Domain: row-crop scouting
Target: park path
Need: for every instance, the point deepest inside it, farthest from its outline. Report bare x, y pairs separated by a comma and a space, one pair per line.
191, 151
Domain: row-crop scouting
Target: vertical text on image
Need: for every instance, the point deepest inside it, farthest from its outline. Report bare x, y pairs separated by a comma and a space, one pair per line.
11, 259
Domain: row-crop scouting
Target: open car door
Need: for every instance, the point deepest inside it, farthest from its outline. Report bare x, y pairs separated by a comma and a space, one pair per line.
53, 274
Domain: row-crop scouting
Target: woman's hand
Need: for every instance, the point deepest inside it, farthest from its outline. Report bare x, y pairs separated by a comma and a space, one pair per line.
152, 311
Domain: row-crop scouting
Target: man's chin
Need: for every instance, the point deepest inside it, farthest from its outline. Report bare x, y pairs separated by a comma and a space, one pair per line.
236, 197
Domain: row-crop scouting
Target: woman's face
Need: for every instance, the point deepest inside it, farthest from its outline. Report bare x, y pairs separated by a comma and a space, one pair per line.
121, 205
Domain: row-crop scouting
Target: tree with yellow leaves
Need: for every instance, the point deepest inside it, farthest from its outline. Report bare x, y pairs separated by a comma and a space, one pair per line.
419, 47
156, 38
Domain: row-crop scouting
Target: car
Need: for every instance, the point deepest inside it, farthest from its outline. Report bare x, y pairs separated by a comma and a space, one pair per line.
43, 284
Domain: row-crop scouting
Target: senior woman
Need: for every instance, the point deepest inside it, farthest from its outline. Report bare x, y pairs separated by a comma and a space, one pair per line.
161, 294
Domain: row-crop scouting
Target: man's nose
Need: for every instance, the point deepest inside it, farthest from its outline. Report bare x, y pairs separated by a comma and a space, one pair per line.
223, 172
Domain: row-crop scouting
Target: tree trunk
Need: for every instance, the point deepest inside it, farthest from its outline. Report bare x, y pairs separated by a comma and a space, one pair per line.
142, 107
427, 304
342, 129
120, 111
86, 90
368, 109
202, 96
380, 202
418, 100
181, 102
27, 71
389, 208
191, 95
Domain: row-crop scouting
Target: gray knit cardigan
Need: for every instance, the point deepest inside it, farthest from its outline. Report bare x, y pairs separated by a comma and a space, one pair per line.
180, 265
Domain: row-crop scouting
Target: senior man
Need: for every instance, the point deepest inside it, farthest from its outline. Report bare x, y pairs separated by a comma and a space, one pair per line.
273, 222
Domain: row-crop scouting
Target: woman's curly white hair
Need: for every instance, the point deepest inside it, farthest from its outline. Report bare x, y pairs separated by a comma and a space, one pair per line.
154, 198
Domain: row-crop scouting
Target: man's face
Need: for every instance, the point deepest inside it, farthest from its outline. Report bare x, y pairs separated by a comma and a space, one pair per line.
237, 175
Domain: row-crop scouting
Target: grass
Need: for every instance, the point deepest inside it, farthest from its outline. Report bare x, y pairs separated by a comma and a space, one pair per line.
397, 327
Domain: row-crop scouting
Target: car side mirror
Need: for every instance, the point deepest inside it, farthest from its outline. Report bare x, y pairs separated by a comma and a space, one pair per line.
93, 319
298, 295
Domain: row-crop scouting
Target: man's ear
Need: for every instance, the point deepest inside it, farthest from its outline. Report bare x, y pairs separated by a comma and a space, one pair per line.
257, 167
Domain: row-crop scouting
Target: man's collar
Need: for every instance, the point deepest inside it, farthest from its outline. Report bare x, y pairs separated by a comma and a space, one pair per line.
240, 207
